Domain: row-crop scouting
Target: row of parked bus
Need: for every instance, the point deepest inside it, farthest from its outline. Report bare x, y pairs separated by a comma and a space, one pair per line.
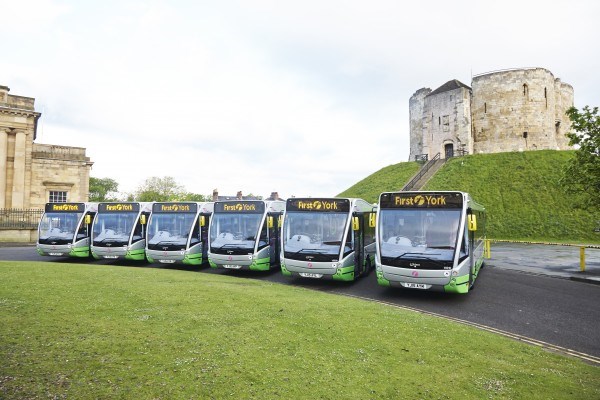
416, 240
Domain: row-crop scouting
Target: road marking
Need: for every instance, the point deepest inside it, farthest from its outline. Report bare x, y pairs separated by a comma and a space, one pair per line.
547, 346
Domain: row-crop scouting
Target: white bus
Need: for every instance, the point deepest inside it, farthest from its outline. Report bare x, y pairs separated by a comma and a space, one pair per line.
329, 238
429, 240
244, 234
119, 231
178, 232
65, 229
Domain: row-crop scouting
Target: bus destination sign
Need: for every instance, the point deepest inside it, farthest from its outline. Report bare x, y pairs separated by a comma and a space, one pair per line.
319, 205
118, 207
240, 207
421, 200
174, 208
65, 207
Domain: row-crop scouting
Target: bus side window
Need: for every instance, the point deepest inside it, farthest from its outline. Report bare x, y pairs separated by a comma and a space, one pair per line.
264, 236
195, 234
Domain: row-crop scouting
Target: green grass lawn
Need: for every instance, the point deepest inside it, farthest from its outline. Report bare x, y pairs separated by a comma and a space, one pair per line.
520, 190
103, 332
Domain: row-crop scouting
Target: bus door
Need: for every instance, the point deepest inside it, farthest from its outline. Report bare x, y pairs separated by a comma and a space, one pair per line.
274, 231
203, 222
359, 247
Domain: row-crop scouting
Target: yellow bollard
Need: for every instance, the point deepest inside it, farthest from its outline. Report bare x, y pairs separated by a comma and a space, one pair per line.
487, 249
582, 258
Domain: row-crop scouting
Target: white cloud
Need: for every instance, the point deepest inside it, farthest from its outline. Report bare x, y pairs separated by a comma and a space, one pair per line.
303, 98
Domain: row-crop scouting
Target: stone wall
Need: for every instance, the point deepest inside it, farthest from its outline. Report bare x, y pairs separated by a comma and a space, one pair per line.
447, 122
416, 105
509, 110
28, 170
519, 110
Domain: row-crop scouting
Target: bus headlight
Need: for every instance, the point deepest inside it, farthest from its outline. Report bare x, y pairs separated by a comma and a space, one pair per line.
182, 252
249, 256
69, 246
334, 265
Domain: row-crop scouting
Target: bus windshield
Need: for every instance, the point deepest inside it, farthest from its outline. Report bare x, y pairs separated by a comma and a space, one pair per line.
418, 234
316, 233
170, 231
231, 232
113, 228
58, 228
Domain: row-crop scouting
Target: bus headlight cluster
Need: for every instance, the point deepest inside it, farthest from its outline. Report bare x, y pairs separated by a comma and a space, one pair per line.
334, 265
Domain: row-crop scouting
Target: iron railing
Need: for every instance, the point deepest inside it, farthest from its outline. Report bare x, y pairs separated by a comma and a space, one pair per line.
421, 172
16, 218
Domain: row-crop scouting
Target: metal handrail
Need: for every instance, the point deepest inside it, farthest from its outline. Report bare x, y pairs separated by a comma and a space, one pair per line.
421, 172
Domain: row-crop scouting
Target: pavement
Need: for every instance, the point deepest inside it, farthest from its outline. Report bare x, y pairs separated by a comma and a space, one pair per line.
557, 260
562, 261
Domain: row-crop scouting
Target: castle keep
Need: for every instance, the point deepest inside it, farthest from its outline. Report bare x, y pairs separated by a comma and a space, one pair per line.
509, 110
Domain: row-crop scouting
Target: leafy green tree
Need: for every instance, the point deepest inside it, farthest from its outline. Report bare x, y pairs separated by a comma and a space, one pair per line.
159, 189
103, 189
196, 197
582, 174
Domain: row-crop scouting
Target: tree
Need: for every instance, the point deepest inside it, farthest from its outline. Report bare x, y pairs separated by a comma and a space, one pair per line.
582, 174
159, 189
103, 189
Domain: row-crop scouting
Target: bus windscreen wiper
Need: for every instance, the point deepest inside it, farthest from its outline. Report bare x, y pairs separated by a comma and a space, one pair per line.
318, 251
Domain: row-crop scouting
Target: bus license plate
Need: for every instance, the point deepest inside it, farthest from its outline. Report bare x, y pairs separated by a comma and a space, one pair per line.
166, 261
232, 266
416, 285
310, 275
111, 256
55, 254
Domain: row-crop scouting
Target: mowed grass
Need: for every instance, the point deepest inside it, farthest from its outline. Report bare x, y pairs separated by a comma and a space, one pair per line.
103, 332
520, 190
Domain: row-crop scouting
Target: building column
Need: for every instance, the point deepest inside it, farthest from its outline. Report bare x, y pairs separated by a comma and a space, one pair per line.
3, 157
18, 190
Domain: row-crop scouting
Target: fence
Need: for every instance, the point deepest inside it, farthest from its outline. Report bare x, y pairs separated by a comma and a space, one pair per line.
15, 218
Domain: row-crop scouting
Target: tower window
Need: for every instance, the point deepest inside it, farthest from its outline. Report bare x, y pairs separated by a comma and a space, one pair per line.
525, 90
524, 135
484, 108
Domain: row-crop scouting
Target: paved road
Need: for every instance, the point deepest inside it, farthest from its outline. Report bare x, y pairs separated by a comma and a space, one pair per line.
514, 293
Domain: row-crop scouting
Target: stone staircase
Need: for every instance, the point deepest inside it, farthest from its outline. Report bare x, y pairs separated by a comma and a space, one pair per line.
425, 173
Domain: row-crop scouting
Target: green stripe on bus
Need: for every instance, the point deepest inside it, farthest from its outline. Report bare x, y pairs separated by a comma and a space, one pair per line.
344, 274
193, 259
80, 252
136, 255
261, 264
460, 284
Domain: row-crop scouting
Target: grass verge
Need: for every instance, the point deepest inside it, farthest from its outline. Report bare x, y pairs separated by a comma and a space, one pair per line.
93, 332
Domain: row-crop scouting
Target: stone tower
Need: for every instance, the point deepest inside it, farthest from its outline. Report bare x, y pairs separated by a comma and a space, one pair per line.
510, 110
520, 109
445, 123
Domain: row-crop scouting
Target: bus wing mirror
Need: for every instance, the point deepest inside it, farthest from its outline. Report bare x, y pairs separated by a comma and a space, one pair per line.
88, 219
270, 222
202, 220
372, 220
472, 219
143, 219
355, 224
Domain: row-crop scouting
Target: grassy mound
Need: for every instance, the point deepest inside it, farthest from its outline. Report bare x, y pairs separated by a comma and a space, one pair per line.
521, 192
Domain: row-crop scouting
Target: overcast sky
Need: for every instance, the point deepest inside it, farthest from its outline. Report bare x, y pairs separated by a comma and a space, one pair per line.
305, 98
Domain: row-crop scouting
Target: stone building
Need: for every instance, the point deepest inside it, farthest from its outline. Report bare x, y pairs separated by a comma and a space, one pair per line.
509, 110
32, 174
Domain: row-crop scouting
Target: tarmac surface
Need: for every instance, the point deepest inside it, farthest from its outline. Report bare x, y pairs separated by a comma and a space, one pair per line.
558, 260
563, 261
